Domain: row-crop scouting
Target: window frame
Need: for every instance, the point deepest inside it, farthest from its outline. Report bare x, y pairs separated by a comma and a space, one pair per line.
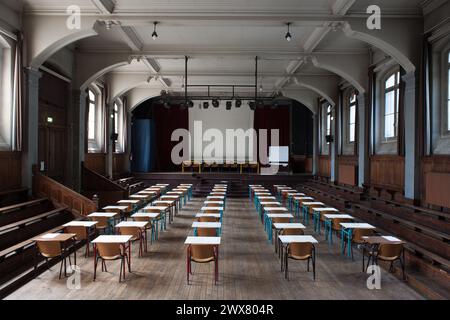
384, 91
7, 123
118, 120
97, 144
445, 123
349, 124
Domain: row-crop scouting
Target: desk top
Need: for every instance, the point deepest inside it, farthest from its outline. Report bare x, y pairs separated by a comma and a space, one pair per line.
103, 214
139, 196
264, 203
146, 215
382, 240
197, 224
112, 239
266, 198
350, 225
163, 202
217, 193
212, 208
78, 223
297, 239
314, 203
215, 197
338, 216
128, 201
174, 192
214, 215
280, 215
162, 208
296, 194
135, 224
303, 198
59, 237
116, 207
289, 226
170, 197
275, 209
325, 209
203, 240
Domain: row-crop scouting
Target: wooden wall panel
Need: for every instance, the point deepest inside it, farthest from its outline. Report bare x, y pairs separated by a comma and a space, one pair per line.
10, 170
432, 166
119, 162
309, 165
96, 162
387, 172
44, 186
324, 169
348, 170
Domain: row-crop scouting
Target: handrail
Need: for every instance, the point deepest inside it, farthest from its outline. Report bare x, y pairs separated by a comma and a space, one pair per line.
22, 205
94, 181
60, 195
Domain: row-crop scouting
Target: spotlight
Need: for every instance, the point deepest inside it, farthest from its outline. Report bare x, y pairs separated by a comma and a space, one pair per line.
154, 34
190, 104
251, 104
215, 103
260, 88
238, 103
288, 35
206, 105
228, 105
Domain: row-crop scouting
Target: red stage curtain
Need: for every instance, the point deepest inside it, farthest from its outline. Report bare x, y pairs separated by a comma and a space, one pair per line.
268, 118
166, 121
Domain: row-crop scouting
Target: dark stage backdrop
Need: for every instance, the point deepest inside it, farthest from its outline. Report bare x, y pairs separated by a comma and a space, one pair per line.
269, 118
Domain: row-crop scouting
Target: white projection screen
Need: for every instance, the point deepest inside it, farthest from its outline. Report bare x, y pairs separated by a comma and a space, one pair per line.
278, 154
208, 126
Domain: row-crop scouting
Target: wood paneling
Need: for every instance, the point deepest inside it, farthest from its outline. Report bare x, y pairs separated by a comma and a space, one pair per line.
324, 169
119, 163
96, 162
387, 172
44, 186
432, 166
348, 170
10, 170
309, 165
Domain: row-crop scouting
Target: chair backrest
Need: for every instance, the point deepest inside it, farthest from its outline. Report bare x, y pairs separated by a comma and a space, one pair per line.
281, 220
109, 250
292, 232
49, 249
102, 222
130, 231
145, 219
208, 219
390, 251
359, 233
211, 211
300, 250
336, 225
113, 210
211, 205
314, 206
150, 209
80, 231
206, 232
202, 253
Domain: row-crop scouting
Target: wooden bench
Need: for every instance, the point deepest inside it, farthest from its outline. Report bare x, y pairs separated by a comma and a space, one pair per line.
24, 210
10, 197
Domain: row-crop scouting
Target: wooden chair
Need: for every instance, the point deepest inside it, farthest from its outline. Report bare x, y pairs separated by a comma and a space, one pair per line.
49, 250
150, 226
300, 251
102, 224
390, 253
109, 252
357, 237
81, 235
206, 232
202, 254
137, 234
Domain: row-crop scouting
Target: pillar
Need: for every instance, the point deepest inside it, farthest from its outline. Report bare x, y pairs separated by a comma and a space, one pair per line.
363, 139
79, 135
315, 144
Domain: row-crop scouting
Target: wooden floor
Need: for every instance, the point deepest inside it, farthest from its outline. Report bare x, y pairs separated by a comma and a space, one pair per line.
249, 269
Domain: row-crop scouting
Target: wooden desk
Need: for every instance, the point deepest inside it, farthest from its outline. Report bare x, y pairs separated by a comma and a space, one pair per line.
374, 243
347, 231
209, 225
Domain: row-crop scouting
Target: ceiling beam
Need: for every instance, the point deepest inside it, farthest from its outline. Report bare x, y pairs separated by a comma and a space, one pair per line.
340, 7
131, 38
104, 6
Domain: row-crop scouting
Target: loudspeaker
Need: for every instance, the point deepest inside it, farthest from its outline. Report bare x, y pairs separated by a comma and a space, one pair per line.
329, 138
114, 136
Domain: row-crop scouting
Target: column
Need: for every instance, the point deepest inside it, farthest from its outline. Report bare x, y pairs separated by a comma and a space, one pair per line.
334, 174
128, 146
411, 137
315, 144
109, 132
30, 123
79, 135
363, 139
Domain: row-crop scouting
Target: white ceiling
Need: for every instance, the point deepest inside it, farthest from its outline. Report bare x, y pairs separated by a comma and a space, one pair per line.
222, 37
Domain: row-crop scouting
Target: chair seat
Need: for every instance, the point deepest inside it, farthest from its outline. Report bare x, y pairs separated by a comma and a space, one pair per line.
203, 260
111, 257
299, 257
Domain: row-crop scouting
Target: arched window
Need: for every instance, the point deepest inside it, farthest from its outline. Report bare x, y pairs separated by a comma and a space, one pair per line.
328, 126
95, 120
391, 92
118, 126
6, 95
352, 117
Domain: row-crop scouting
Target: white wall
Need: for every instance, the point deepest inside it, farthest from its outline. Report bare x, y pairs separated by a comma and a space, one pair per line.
219, 119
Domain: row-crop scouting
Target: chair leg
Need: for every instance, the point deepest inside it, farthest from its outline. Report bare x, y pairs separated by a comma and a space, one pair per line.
307, 268
121, 269
314, 267
403, 268
95, 267
60, 268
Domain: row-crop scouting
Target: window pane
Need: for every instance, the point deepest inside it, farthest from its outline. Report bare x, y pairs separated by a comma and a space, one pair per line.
352, 114
389, 129
351, 136
328, 124
389, 103
448, 84
448, 115
397, 77
91, 95
449, 57
390, 82
352, 98
91, 122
